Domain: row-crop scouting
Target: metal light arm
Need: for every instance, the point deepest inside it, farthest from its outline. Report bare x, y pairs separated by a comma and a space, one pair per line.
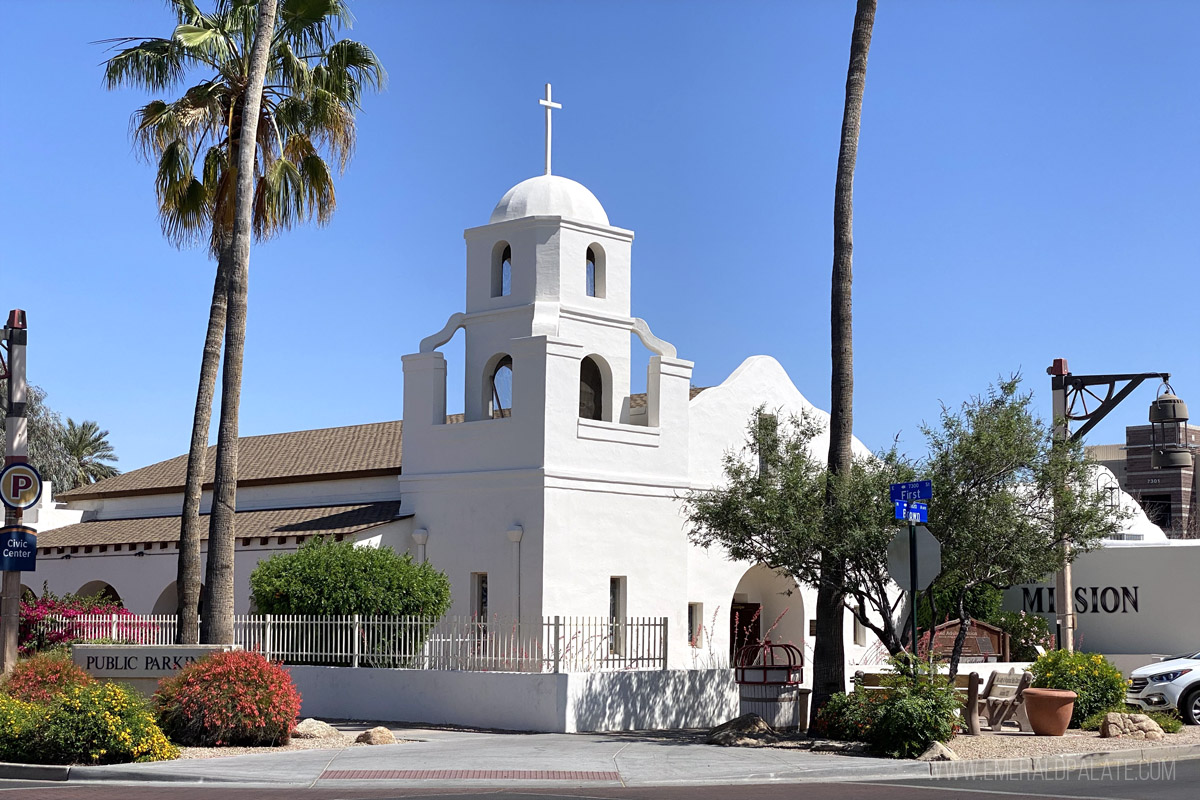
1076, 388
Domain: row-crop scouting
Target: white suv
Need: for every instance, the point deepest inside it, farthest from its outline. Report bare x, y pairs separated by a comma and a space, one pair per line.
1173, 683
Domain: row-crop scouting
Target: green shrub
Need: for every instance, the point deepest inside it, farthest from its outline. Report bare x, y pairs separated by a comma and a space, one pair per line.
1169, 721
1027, 632
921, 708
94, 723
40, 678
326, 577
914, 709
229, 698
1096, 682
847, 717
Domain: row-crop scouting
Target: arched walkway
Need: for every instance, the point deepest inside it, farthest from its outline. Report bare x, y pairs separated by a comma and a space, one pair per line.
762, 608
101, 588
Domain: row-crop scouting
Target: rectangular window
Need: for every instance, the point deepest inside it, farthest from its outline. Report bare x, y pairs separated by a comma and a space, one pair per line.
479, 596
812, 627
860, 630
616, 613
695, 624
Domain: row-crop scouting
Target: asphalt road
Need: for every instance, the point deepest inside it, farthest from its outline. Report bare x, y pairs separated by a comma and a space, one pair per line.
1179, 780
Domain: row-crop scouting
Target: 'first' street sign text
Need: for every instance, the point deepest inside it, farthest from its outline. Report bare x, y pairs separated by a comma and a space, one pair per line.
914, 490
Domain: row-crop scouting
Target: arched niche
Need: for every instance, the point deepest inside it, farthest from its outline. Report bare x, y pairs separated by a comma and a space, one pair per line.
501, 269
595, 389
593, 271
498, 387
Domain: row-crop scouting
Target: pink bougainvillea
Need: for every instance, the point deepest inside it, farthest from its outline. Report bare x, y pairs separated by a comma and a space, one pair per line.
37, 634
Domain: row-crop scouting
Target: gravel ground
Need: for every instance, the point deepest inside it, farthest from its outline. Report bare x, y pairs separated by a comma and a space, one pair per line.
340, 743
1024, 745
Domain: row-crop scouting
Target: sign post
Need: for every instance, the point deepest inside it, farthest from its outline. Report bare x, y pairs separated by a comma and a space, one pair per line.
21, 483
904, 566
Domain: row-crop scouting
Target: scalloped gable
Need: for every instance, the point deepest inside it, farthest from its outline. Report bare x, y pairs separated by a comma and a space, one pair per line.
720, 415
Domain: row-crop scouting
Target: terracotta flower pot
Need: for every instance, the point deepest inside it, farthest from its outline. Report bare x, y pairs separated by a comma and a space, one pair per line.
1049, 710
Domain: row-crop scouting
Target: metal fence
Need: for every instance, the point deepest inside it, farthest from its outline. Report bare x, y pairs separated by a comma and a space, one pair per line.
549, 644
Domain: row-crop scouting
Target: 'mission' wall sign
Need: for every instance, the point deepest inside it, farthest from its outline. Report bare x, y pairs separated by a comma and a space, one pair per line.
1088, 599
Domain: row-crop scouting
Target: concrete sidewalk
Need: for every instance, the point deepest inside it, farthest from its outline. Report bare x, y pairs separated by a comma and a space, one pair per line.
454, 758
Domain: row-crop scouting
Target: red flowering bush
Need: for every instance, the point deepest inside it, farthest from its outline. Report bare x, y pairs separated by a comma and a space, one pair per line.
40, 678
229, 698
37, 633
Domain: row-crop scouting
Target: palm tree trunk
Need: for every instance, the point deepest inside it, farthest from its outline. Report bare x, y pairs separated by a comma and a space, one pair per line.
187, 580
829, 657
218, 617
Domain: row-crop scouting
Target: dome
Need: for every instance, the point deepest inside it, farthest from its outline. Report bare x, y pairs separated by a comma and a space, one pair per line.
549, 196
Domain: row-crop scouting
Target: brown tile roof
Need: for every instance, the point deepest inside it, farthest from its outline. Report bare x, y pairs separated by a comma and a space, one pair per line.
358, 450
352, 451
639, 400
273, 522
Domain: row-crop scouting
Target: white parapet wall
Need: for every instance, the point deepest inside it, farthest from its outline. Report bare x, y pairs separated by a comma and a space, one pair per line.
546, 702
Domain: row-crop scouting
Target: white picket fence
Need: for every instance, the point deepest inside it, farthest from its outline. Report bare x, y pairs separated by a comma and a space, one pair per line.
551, 644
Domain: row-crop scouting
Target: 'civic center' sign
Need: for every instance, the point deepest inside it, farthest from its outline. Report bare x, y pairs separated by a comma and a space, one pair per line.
18, 549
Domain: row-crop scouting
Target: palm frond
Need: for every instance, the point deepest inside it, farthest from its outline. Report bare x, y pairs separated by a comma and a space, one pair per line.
353, 66
215, 164
311, 24
280, 196
152, 64
185, 219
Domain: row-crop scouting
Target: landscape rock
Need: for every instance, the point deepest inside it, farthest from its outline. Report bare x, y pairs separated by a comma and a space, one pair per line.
315, 729
377, 735
746, 730
1134, 726
938, 752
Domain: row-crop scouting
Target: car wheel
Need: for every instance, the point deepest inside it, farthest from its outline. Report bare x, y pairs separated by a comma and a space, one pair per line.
1189, 709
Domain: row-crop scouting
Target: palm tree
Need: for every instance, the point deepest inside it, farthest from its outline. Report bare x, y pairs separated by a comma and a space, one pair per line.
828, 650
313, 86
89, 448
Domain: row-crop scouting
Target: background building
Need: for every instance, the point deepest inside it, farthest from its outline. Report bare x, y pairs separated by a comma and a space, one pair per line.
1168, 496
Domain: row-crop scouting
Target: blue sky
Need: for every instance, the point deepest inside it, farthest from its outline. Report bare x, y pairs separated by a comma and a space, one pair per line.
1026, 189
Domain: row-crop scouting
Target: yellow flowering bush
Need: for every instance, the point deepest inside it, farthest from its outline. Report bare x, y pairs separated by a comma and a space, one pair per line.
19, 723
1096, 682
98, 723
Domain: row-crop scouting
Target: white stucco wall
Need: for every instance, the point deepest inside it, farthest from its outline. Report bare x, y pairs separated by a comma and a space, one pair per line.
560, 703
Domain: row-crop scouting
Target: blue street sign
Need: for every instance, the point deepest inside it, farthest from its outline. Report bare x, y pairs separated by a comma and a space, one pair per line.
912, 512
914, 490
18, 549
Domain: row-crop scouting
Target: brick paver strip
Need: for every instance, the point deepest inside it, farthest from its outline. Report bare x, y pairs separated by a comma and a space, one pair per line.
468, 774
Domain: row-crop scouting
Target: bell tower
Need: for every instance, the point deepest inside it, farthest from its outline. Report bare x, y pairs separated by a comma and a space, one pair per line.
547, 322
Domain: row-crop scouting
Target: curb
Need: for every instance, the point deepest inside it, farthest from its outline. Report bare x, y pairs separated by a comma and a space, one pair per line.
121, 773
1067, 762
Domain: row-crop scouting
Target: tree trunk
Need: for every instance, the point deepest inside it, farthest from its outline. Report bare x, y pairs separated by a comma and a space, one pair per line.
187, 580
222, 534
829, 657
961, 638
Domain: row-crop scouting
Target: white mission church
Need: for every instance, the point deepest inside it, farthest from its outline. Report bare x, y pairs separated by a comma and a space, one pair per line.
556, 492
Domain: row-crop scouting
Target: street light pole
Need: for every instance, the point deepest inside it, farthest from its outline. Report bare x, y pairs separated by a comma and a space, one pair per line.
16, 451
1074, 399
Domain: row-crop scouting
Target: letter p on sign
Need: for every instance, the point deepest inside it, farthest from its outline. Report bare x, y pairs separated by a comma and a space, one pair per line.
20, 486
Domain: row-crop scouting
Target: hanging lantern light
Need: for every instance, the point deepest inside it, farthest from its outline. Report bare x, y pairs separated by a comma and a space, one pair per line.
1168, 431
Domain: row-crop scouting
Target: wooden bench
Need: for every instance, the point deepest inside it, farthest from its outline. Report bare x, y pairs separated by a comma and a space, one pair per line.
1002, 700
873, 681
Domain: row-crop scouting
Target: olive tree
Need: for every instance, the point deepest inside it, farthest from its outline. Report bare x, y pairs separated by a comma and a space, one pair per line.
1011, 504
